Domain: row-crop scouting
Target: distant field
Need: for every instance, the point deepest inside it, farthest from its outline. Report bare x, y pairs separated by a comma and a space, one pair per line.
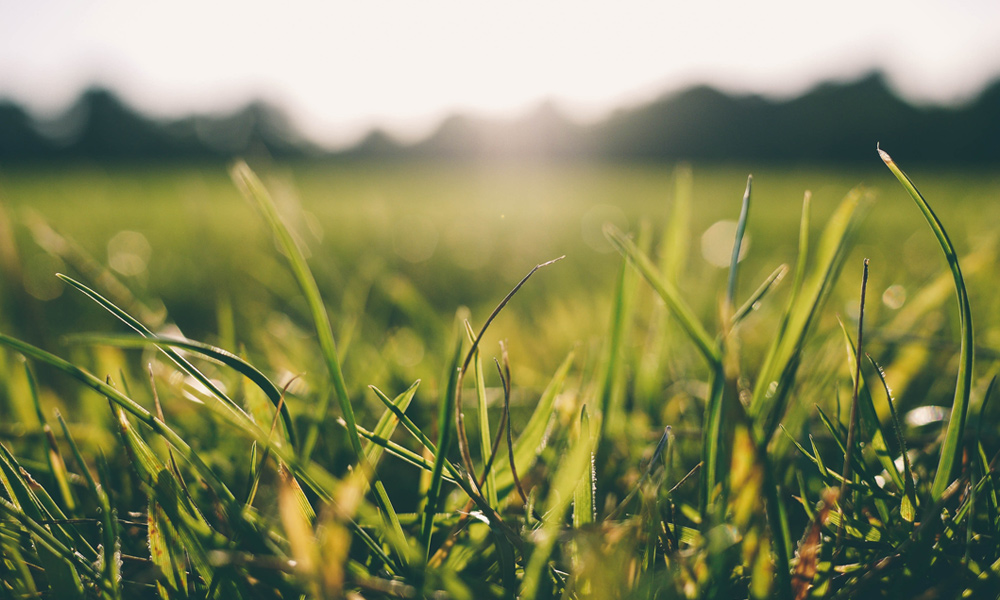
462, 235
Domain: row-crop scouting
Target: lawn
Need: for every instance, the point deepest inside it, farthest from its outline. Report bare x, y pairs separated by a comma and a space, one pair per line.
253, 481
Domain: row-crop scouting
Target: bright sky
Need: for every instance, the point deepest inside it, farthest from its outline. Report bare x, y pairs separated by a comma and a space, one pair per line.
340, 68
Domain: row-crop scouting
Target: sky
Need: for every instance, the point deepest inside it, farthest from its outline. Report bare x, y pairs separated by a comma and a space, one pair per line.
339, 69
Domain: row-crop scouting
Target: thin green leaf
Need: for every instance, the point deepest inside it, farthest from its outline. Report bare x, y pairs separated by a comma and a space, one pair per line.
57, 466
869, 416
908, 505
445, 435
386, 425
57, 560
584, 512
666, 290
741, 227
950, 450
777, 374
533, 435
254, 190
572, 469
215, 353
751, 304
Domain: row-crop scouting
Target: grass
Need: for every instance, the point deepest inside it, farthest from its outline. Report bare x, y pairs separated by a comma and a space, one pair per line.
652, 427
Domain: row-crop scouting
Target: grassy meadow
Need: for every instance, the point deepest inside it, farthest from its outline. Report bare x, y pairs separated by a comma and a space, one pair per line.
220, 397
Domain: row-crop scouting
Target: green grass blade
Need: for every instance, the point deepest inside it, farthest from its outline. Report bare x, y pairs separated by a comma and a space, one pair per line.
54, 456
254, 190
666, 290
584, 512
62, 575
869, 416
777, 376
908, 505
445, 435
144, 331
408, 423
402, 453
572, 469
751, 304
111, 541
608, 378
485, 449
950, 450
165, 553
386, 425
207, 350
533, 436
741, 227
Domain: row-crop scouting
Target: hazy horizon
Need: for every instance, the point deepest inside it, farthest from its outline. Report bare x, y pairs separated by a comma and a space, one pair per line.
340, 70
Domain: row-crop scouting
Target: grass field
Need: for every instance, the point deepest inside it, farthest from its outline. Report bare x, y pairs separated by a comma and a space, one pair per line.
401, 255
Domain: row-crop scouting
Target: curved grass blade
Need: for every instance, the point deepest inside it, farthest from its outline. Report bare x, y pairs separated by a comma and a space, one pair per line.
207, 350
144, 331
963, 387
533, 436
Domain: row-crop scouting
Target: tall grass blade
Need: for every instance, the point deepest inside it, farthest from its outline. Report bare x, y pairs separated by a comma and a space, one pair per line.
485, 448
777, 374
57, 466
584, 511
254, 190
950, 450
666, 290
609, 373
741, 227
445, 435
